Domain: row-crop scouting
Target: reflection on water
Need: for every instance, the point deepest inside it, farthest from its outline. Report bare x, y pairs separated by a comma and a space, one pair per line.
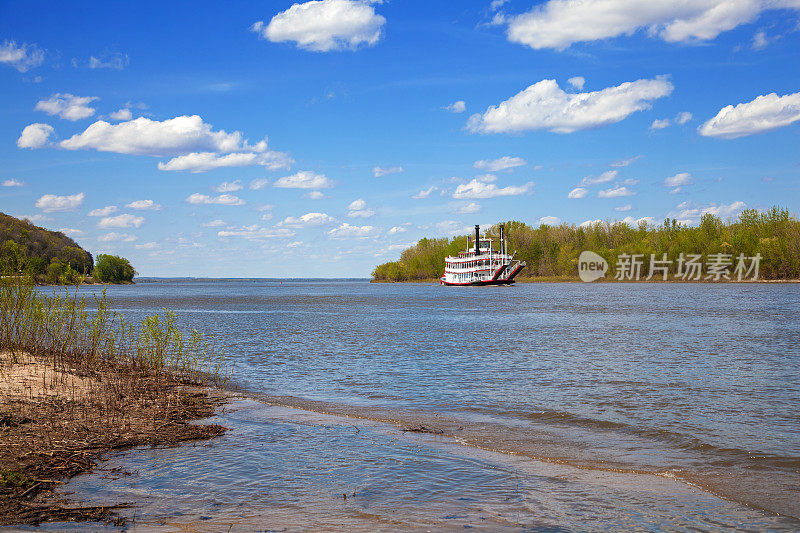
700, 382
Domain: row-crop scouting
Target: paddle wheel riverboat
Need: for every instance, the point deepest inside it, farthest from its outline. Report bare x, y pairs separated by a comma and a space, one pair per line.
481, 264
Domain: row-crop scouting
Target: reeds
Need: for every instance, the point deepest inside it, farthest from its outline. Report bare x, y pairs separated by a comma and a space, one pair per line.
62, 329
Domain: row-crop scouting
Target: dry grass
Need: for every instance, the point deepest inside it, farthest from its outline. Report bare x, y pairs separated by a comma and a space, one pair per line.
76, 384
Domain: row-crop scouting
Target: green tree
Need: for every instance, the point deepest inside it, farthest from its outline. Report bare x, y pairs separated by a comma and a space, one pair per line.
113, 269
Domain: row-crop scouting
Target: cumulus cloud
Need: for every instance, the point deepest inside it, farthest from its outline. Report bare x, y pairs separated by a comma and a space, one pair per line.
204, 161
615, 192
557, 24
308, 220
121, 221
72, 232
458, 106
121, 114
103, 211
550, 220
502, 163
144, 205
469, 208
113, 237
577, 192
626, 207
22, 57
314, 195
682, 178
683, 117
637, 221
325, 25
452, 227
305, 179
50, 203
690, 213
396, 230
424, 193
478, 189
214, 223
605, 177
379, 172
67, 106
545, 106
577, 82
348, 231
35, 136
358, 209
765, 113
258, 184
12, 183
589, 223
222, 199
660, 124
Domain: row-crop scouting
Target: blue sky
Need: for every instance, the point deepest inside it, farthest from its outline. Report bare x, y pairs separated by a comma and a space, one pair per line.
139, 129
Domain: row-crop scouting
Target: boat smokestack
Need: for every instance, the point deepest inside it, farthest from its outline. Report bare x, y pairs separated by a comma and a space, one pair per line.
477, 239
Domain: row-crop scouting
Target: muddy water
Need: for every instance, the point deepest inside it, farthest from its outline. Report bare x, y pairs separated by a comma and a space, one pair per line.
626, 405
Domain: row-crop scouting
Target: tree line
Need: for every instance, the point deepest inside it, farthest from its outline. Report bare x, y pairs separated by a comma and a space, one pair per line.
52, 257
552, 251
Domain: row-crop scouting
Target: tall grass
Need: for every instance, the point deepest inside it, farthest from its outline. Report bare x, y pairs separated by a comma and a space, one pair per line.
61, 327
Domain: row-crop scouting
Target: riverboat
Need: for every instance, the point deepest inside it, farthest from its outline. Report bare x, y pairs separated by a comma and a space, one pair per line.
481, 264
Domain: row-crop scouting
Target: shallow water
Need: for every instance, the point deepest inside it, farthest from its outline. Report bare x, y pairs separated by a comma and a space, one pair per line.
693, 382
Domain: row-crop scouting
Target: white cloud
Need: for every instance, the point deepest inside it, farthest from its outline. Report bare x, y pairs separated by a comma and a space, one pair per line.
723, 210
147, 246
683, 117
424, 193
615, 192
204, 161
689, 213
630, 181
258, 184
760, 40
50, 203
12, 183
228, 186
358, 209
267, 216
121, 114
379, 172
103, 211
72, 232
502, 163
121, 221
67, 106
346, 231
256, 232
21, 57
305, 179
636, 221
35, 219
113, 237
197, 145
550, 220
765, 113
606, 176
477, 189
589, 223
325, 25
144, 205
222, 199
469, 209
308, 220
314, 195
577, 192
625, 162
660, 124
112, 60
35, 135
458, 106
397, 229
577, 82
452, 227
626, 207
544, 106
214, 223
682, 178
559, 23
